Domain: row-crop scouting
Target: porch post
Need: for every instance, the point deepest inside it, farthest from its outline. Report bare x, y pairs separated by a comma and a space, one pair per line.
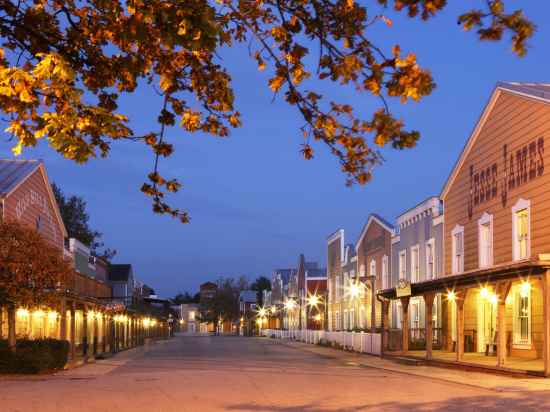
460, 300
85, 332
96, 332
73, 329
503, 288
385, 324
373, 305
405, 323
545, 283
428, 302
12, 342
63, 319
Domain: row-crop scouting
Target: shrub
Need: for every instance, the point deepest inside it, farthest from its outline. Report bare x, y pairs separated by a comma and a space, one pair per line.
34, 356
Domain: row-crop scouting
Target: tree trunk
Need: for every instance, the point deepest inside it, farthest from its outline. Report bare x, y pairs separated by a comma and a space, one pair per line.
11, 328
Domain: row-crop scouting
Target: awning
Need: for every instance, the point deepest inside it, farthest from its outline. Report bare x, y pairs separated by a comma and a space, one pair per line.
476, 277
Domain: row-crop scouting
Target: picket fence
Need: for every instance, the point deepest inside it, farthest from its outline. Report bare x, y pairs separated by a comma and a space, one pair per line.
356, 341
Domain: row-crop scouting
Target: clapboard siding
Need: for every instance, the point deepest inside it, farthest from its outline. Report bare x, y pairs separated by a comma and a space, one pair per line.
30, 203
515, 121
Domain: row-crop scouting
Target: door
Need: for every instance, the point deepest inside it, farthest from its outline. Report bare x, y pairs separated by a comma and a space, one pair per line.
487, 320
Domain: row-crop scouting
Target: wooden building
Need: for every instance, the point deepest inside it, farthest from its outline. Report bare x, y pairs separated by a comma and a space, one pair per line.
496, 280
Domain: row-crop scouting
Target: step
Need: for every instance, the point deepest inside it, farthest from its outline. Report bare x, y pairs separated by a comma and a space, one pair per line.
406, 361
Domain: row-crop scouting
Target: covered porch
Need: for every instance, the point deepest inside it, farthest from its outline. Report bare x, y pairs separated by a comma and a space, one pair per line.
496, 318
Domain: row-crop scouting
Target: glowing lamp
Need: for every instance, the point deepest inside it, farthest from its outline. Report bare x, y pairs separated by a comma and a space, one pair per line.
451, 296
52, 315
494, 298
525, 289
22, 312
313, 300
484, 293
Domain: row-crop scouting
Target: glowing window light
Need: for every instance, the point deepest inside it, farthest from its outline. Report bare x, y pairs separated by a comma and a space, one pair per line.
273, 309
52, 315
290, 304
22, 312
317, 317
38, 313
525, 289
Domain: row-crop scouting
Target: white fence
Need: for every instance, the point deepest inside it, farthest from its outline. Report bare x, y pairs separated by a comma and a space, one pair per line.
356, 341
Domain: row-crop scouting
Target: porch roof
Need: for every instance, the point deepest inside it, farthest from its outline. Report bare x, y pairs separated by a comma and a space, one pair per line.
474, 277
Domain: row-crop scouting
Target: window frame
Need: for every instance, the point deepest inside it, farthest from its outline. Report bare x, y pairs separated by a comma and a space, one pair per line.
517, 342
457, 229
521, 205
402, 269
486, 219
415, 276
385, 273
430, 242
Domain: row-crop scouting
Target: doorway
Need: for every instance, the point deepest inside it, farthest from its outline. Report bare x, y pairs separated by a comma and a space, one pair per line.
487, 321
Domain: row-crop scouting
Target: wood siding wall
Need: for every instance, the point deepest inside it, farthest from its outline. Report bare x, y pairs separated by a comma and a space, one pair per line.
517, 122
29, 203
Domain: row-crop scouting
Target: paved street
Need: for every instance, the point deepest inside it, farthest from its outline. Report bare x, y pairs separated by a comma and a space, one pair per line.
248, 374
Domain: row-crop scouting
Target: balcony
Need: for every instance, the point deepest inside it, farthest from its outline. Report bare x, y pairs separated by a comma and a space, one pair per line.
83, 285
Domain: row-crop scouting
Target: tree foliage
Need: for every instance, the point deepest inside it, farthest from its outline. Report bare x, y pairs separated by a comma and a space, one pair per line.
186, 297
32, 270
259, 285
76, 220
66, 63
225, 303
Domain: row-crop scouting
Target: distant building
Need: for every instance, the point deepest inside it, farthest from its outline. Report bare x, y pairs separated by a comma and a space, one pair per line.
189, 318
207, 291
248, 306
121, 279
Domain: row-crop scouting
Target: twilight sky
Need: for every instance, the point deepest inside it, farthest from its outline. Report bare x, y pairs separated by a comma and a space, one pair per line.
255, 204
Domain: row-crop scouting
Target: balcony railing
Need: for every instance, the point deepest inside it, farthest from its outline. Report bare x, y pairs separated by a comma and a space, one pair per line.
83, 285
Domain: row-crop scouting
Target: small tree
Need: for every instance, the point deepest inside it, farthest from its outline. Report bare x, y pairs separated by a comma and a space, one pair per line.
260, 284
32, 271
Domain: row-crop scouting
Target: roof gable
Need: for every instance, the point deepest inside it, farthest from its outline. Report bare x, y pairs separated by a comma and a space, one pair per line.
375, 218
535, 91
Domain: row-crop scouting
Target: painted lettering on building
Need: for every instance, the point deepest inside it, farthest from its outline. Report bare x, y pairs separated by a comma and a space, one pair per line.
33, 198
518, 167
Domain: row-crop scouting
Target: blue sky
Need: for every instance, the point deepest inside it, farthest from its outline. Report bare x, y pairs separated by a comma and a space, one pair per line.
255, 204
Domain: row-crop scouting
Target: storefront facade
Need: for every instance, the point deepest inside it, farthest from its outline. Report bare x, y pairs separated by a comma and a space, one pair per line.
496, 285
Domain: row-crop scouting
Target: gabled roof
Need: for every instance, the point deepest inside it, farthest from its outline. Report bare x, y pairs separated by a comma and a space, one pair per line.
119, 272
536, 91
378, 219
13, 172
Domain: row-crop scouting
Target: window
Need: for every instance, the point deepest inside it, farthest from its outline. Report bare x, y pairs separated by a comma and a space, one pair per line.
191, 315
415, 315
372, 269
458, 249
521, 229
338, 289
352, 319
398, 314
430, 259
362, 317
385, 273
415, 264
329, 320
403, 264
522, 315
485, 252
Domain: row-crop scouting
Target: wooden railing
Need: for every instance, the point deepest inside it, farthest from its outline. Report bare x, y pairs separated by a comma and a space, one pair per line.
83, 285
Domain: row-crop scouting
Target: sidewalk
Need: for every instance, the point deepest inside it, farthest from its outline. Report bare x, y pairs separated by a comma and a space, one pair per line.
489, 381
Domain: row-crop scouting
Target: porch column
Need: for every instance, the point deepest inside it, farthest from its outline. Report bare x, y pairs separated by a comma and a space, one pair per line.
104, 332
63, 319
385, 324
11, 327
460, 300
85, 331
72, 332
96, 332
545, 283
428, 303
405, 323
503, 288
373, 304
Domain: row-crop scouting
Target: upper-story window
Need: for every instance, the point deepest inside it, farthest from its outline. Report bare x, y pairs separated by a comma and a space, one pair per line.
458, 249
485, 228
385, 273
415, 264
403, 264
372, 268
338, 288
430, 259
521, 229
